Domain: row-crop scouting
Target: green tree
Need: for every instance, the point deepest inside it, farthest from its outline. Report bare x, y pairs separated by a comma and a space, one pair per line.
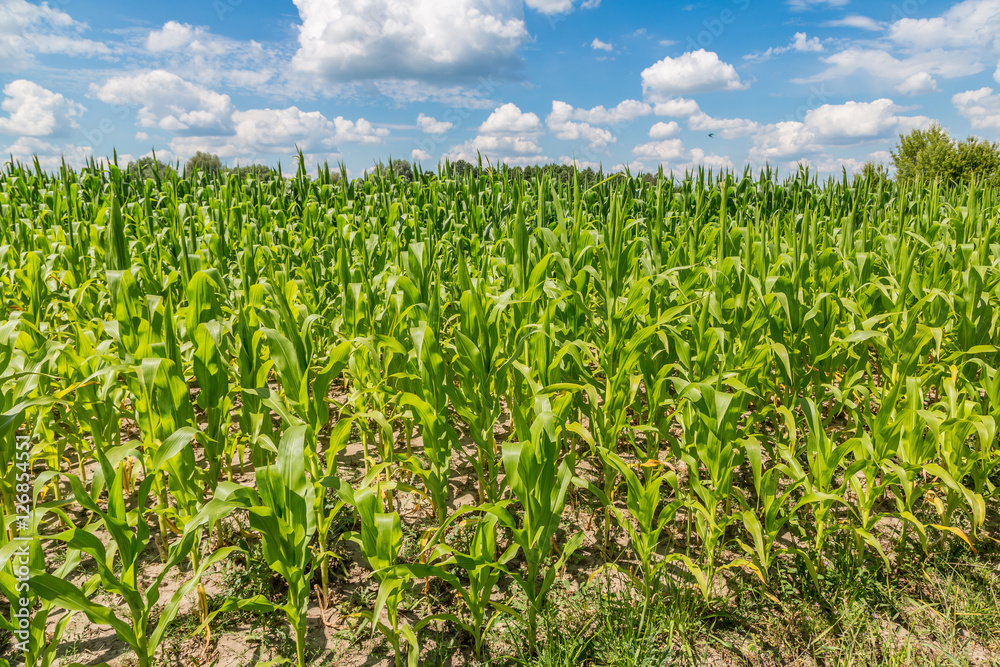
205, 162
924, 153
461, 168
403, 169
146, 167
975, 159
259, 172
873, 171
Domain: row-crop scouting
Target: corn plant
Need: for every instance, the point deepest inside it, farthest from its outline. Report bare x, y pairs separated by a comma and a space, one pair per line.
281, 510
140, 630
538, 481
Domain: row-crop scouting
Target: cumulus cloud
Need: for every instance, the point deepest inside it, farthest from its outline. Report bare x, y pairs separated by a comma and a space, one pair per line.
34, 111
700, 158
917, 84
561, 123
358, 131
679, 107
573, 124
419, 155
833, 124
692, 72
664, 151
664, 130
174, 36
428, 40
981, 107
508, 135
508, 119
430, 125
598, 45
168, 102
27, 29
623, 112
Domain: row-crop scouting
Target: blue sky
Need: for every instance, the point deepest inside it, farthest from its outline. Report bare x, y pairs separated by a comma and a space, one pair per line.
726, 83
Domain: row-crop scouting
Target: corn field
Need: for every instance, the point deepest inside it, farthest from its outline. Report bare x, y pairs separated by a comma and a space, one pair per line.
675, 383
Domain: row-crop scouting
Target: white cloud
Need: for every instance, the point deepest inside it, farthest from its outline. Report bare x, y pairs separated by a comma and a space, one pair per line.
508, 135
800, 42
917, 84
692, 72
598, 45
783, 139
168, 102
419, 155
27, 29
679, 107
664, 151
509, 119
34, 111
174, 36
981, 107
358, 131
854, 21
428, 40
701, 159
572, 124
838, 124
561, 123
860, 120
625, 111
664, 130
430, 125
